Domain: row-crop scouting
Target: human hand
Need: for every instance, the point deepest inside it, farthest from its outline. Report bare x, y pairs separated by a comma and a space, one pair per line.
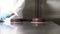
4, 16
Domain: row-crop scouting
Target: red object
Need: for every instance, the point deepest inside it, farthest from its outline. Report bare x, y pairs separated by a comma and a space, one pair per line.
16, 20
37, 19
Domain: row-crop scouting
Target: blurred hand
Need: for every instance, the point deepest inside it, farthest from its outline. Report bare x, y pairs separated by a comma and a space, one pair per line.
4, 16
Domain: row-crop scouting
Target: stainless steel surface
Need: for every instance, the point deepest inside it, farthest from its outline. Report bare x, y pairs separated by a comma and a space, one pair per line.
27, 28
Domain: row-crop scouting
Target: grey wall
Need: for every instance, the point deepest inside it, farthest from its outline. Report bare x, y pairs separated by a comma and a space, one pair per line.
29, 9
49, 8
53, 8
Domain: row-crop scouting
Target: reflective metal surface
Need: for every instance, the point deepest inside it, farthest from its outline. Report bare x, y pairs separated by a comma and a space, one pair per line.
27, 28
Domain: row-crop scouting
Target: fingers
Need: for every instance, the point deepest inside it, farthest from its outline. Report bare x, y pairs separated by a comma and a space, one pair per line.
11, 13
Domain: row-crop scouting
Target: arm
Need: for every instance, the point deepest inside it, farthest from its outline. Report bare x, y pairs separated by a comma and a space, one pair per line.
19, 6
6, 15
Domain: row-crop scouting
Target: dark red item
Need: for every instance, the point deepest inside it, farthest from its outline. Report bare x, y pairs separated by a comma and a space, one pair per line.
37, 20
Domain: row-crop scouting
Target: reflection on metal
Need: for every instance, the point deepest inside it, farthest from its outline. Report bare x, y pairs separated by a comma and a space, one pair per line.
6, 29
37, 23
